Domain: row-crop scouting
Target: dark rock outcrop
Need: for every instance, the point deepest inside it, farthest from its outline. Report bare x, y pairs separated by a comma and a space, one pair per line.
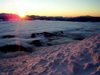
13, 48
8, 36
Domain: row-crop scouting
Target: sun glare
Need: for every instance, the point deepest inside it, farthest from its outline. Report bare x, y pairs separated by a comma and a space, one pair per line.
21, 14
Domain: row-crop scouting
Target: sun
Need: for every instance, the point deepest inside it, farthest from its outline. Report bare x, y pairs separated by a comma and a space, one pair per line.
21, 14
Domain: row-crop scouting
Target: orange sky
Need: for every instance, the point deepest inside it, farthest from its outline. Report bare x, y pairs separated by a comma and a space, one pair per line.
65, 8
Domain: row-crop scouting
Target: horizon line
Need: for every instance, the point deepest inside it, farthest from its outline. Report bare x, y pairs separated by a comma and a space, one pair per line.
53, 16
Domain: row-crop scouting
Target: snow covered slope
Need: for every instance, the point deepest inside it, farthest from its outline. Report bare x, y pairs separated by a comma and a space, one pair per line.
77, 58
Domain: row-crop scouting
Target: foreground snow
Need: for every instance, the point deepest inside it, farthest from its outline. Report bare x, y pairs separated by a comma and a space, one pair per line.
77, 58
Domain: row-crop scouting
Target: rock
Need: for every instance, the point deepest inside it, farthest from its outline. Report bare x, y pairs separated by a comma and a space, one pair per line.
36, 43
9, 36
46, 34
33, 35
13, 48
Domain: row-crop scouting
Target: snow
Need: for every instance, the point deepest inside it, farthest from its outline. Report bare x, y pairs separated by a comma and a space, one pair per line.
76, 58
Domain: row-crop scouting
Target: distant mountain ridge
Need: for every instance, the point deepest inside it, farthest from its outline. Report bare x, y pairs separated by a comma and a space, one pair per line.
7, 17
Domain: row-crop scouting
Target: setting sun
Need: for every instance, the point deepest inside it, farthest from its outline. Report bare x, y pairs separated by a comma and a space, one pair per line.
21, 14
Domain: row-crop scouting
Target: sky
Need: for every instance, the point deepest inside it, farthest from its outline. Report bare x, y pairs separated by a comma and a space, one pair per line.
65, 8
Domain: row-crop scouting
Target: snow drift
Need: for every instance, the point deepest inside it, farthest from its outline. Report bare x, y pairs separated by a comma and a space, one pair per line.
77, 58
